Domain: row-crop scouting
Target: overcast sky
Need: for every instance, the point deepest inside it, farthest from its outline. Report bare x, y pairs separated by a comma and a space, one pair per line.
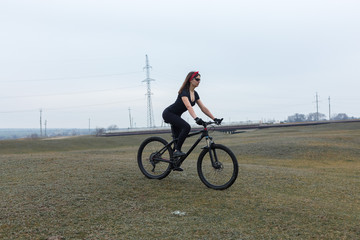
259, 60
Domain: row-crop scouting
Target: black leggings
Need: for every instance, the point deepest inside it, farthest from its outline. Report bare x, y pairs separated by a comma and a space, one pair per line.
180, 127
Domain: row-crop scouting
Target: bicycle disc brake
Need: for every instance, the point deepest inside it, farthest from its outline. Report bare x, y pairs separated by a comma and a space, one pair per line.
218, 166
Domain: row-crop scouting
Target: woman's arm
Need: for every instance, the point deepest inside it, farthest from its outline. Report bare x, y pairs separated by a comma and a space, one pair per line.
204, 109
189, 107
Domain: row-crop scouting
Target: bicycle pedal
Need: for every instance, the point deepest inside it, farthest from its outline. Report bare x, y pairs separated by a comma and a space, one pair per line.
175, 166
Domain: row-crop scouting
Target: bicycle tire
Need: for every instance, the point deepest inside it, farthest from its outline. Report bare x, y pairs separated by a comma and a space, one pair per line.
147, 150
224, 174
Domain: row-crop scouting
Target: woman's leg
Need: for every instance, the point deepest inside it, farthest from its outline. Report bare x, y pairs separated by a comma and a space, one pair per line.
184, 131
181, 126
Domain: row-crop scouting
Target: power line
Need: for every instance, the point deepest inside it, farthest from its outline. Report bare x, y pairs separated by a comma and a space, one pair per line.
69, 78
73, 93
72, 107
20, 111
94, 105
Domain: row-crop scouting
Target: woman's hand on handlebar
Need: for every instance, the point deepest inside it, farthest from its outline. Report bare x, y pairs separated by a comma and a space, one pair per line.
218, 121
199, 121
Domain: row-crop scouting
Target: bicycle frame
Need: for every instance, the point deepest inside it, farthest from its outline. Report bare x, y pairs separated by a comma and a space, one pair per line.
204, 134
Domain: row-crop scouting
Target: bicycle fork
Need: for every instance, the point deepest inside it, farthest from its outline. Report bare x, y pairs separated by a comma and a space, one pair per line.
212, 152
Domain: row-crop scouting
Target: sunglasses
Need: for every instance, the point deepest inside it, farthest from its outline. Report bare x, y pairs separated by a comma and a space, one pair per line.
197, 79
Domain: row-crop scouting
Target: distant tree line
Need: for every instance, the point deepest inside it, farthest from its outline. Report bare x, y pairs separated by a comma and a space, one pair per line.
32, 133
311, 117
100, 131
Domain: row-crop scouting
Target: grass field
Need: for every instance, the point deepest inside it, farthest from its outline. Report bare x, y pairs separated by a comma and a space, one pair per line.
294, 183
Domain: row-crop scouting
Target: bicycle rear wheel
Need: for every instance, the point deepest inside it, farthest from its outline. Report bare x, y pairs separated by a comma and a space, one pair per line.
152, 158
223, 172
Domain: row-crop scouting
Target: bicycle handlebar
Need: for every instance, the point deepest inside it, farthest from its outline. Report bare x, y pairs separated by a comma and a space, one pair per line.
211, 122
207, 123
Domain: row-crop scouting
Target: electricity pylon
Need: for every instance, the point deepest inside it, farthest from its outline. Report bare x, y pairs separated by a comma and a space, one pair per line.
150, 114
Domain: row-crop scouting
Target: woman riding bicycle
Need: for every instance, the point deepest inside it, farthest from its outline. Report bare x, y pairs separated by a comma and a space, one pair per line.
187, 97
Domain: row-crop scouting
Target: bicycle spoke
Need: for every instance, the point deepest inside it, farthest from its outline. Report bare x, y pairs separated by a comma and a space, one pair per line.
152, 157
221, 172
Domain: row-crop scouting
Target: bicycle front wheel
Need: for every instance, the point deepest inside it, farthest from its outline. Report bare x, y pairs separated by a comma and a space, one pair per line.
217, 167
153, 158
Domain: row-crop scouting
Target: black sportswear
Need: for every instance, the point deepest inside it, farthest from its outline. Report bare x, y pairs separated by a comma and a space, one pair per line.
178, 107
172, 115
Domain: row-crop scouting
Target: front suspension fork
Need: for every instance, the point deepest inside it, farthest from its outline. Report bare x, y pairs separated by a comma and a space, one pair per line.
213, 155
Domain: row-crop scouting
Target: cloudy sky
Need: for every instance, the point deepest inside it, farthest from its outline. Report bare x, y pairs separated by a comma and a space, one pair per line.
259, 60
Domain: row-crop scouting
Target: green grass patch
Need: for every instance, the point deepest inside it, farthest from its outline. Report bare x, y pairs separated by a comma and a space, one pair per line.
294, 183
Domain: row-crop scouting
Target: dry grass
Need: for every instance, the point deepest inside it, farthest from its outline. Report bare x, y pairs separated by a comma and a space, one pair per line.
294, 183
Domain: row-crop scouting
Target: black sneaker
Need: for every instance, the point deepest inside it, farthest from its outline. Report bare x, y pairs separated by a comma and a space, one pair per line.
178, 154
179, 169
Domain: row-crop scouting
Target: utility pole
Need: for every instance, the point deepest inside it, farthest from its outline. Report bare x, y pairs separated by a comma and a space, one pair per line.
40, 122
150, 114
131, 125
317, 107
329, 110
45, 124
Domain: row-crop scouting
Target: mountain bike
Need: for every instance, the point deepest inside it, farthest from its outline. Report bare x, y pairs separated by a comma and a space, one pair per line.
217, 165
